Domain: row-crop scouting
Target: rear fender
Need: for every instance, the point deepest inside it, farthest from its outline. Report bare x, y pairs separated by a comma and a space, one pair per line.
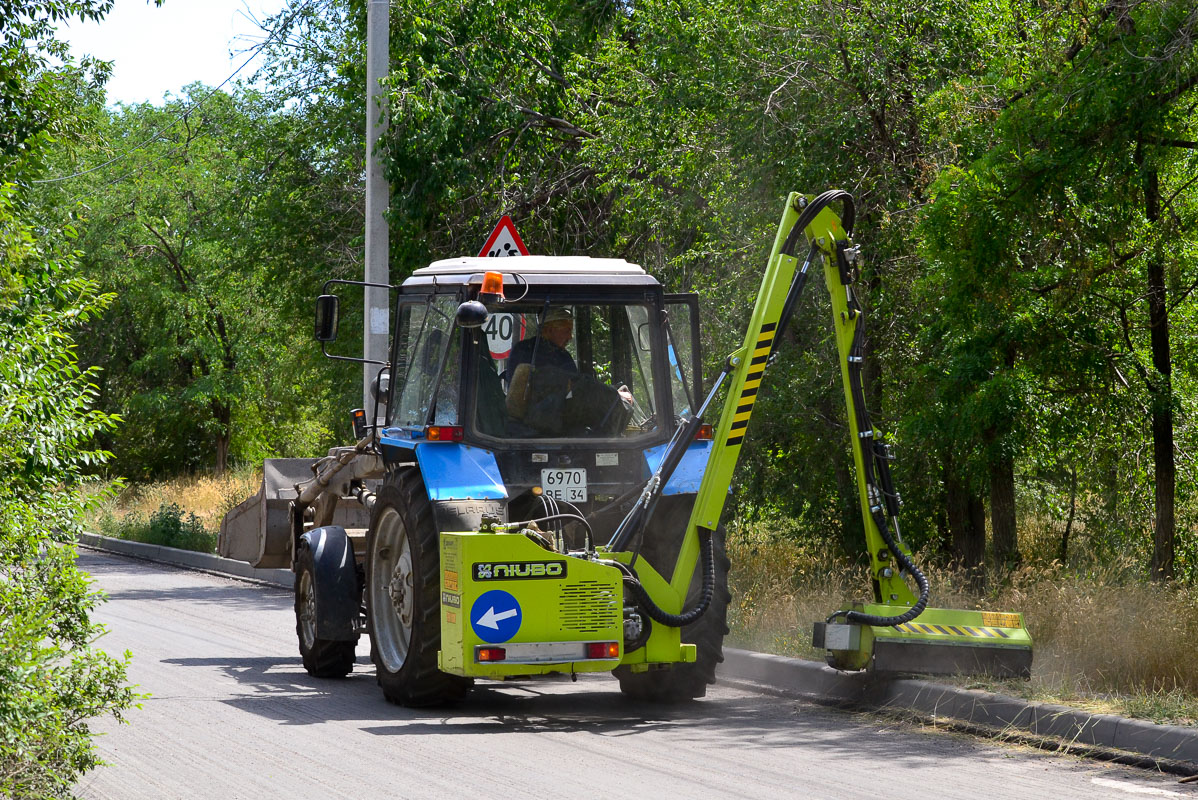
335, 582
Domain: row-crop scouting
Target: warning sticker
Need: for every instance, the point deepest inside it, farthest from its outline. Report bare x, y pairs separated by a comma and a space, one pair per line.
1000, 619
953, 630
451, 581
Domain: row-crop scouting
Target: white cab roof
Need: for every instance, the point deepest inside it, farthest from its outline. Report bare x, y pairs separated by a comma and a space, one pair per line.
532, 265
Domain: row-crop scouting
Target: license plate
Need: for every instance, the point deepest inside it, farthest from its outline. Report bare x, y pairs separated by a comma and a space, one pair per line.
565, 484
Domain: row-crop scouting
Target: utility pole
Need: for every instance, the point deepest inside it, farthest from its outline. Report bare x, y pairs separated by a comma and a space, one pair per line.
377, 322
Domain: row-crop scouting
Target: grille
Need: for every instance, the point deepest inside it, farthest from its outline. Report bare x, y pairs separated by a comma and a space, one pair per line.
588, 607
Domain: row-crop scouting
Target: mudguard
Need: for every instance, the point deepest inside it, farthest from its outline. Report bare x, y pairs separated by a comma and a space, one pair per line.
335, 581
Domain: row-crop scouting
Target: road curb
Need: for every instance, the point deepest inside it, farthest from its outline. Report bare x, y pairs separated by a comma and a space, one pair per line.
993, 712
205, 562
996, 713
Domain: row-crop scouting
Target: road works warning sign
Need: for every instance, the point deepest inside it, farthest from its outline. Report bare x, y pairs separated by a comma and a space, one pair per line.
504, 241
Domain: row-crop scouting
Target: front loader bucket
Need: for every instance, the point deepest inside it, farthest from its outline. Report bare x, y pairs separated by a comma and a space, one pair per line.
939, 641
258, 530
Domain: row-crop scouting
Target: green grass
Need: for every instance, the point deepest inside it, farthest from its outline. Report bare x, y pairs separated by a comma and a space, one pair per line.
169, 526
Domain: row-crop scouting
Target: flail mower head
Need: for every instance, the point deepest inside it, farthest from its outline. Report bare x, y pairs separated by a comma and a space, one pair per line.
939, 641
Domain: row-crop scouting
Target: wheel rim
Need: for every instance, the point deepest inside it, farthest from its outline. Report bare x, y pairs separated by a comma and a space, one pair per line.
392, 590
306, 610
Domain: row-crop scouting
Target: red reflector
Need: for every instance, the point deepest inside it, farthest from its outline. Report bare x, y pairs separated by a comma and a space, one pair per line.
705, 432
443, 433
603, 649
491, 654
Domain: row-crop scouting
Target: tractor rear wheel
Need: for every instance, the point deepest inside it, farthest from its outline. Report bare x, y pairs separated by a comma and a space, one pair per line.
685, 681
323, 658
403, 600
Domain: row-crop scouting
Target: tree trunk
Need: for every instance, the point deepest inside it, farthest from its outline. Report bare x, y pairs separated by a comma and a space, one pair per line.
965, 514
1161, 388
1002, 512
1063, 553
224, 418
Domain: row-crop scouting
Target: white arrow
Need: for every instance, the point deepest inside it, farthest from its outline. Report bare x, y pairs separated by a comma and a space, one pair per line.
491, 619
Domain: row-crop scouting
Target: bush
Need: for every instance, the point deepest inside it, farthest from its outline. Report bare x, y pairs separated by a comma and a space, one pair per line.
169, 526
52, 677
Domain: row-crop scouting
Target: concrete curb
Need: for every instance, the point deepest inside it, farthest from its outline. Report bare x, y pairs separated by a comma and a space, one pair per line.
205, 562
994, 712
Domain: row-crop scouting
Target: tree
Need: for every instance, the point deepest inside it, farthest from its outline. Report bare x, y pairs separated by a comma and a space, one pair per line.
1063, 212
214, 230
53, 677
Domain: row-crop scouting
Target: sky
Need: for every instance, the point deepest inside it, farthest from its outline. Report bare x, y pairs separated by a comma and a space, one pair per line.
159, 50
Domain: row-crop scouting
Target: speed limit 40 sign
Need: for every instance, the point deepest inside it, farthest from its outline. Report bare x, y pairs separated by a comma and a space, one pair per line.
503, 331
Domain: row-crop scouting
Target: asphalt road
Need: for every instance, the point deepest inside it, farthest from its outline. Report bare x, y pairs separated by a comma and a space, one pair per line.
232, 714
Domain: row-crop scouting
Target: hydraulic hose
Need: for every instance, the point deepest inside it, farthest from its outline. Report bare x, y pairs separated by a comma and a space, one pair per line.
655, 612
879, 487
811, 211
881, 498
906, 563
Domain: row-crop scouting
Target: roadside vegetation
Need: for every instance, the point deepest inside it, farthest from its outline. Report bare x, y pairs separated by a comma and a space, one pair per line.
1106, 639
1026, 202
184, 512
55, 675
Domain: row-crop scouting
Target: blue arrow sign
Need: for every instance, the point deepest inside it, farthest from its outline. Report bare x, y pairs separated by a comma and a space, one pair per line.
495, 616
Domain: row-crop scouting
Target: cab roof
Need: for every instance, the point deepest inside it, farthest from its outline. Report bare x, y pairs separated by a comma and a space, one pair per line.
531, 265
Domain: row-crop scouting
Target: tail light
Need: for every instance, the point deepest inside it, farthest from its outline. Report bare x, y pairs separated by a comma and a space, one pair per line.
603, 649
705, 432
444, 433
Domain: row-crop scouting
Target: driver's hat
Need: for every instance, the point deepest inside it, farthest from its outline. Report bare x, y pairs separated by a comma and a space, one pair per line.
558, 314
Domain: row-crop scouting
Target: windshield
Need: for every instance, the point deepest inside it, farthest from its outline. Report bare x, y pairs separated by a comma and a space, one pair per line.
426, 346
564, 370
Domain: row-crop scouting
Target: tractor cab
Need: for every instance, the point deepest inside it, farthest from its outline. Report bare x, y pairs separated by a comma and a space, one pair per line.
525, 380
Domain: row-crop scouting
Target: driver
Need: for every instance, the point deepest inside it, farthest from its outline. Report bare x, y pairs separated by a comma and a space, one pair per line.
548, 347
557, 375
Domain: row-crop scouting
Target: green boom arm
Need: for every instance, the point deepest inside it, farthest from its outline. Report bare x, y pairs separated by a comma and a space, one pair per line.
813, 220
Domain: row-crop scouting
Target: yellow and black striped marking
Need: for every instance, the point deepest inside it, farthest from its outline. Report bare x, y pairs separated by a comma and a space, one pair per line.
748, 395
953, 630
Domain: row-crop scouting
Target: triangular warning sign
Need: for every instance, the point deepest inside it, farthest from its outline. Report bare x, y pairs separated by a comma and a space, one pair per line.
504, 241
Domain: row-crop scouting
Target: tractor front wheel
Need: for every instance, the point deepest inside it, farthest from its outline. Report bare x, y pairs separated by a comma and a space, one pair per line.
323, 658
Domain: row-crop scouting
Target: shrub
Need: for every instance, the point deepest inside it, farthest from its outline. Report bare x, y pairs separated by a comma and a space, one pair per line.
52, 677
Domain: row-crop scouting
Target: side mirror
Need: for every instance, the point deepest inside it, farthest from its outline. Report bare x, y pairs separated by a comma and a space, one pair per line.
380, 387
327, 312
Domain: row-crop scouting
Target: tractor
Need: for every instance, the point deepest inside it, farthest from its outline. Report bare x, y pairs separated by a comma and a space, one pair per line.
538, 488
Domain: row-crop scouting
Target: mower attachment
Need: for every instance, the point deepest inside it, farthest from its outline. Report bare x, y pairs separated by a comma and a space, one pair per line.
939, 641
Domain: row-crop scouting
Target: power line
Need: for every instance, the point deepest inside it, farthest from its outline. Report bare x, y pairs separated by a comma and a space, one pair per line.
180, 116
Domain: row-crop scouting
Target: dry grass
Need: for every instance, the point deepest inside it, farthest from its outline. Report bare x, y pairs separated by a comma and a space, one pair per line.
1105, 639
189, 507
207, 497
